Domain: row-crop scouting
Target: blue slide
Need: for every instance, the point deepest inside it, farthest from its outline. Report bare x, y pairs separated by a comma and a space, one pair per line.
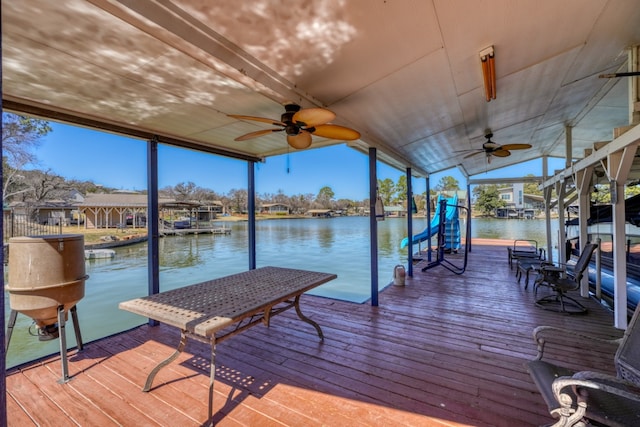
451, 215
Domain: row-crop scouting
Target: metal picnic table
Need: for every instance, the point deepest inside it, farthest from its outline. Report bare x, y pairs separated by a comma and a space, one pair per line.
217, 309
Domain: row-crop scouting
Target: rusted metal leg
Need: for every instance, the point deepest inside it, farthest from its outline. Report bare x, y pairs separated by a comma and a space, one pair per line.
10, 325
63, 345
306, 319
76, 327
152, 374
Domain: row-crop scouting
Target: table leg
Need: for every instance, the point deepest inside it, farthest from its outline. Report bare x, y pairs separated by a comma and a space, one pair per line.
212, 376
306, 319
152, 374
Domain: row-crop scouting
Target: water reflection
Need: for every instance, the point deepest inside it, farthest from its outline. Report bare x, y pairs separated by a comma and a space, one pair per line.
336, 245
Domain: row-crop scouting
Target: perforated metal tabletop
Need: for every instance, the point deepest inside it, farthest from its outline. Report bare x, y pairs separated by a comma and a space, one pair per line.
237, 302
210, 306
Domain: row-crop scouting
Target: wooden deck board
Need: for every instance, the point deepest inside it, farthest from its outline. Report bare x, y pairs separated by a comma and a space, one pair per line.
444, 350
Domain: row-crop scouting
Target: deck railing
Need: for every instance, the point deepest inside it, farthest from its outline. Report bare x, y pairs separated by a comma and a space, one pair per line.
18, 225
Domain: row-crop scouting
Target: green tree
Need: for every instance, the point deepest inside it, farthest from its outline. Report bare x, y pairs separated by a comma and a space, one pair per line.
601, 194
325, 197
631, 190
386, 190
488, 199
532, 187
401, 190
448, 183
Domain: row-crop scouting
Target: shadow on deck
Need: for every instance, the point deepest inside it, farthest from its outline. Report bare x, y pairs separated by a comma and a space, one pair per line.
442, 350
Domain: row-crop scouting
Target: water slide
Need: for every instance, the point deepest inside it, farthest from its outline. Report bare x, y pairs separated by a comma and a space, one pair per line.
451, 214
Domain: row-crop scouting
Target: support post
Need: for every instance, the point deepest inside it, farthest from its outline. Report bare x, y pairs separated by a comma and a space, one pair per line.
468, 236
3, 351
562, 234
409, 224
583, 184
428, 221
373, 224
251, 208
153, 222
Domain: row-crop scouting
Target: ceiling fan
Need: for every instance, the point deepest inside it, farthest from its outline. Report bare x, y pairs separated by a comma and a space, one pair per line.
490, 148
300, 124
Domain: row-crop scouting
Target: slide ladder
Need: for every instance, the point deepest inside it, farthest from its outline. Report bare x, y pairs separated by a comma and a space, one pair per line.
450, 241
452, 224
452, 228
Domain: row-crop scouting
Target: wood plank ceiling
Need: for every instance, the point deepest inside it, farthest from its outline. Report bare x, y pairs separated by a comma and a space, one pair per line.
406, 74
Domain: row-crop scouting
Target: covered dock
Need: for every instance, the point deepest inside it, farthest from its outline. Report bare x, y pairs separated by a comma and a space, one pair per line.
426, 86
443, 350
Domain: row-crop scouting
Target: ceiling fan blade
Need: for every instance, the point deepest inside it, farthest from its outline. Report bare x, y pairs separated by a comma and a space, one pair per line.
336, 132
300, 141
311, 117
257, 119
516, 146
500, 152
473, 154
256, 134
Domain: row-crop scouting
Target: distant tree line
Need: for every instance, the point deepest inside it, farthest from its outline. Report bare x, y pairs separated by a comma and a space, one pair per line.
22, 136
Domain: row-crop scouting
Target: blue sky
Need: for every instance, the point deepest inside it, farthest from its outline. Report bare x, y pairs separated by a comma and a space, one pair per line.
120, 162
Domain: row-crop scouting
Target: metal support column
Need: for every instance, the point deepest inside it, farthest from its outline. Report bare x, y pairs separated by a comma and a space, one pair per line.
468, 236
409, 223
153, 221
251, 207
3, 351
373, 224
428, 221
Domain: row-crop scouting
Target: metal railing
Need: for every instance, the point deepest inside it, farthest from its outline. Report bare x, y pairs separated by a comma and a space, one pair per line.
18, 225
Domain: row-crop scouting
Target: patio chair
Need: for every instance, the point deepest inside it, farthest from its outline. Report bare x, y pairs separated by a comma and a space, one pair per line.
561, 281
578, 398
524, 249
528, 266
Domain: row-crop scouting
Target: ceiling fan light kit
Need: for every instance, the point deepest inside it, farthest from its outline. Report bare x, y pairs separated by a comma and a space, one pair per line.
487, 59
299, 124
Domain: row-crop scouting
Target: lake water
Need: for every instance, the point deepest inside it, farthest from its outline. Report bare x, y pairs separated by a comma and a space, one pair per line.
336, 245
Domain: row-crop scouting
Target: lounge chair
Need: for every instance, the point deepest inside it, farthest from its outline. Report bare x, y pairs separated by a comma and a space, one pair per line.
578, 398
524, 249
561, 281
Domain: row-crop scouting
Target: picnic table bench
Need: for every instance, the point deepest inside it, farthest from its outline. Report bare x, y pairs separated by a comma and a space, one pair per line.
228, 306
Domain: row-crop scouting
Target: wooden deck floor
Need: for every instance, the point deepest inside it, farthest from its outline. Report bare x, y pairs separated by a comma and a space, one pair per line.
443, 350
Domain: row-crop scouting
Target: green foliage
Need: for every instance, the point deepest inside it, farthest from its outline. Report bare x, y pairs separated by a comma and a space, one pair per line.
488, 199
386, 190
326, 193
401, 190
632, 190
532, 187
600, 194
448, 183
325, 197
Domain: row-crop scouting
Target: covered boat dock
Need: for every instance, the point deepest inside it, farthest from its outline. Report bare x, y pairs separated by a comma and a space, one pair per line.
443, 350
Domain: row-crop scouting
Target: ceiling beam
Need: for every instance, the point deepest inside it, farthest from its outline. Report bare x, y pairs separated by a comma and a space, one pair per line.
489, 181
132, 132
628, 138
